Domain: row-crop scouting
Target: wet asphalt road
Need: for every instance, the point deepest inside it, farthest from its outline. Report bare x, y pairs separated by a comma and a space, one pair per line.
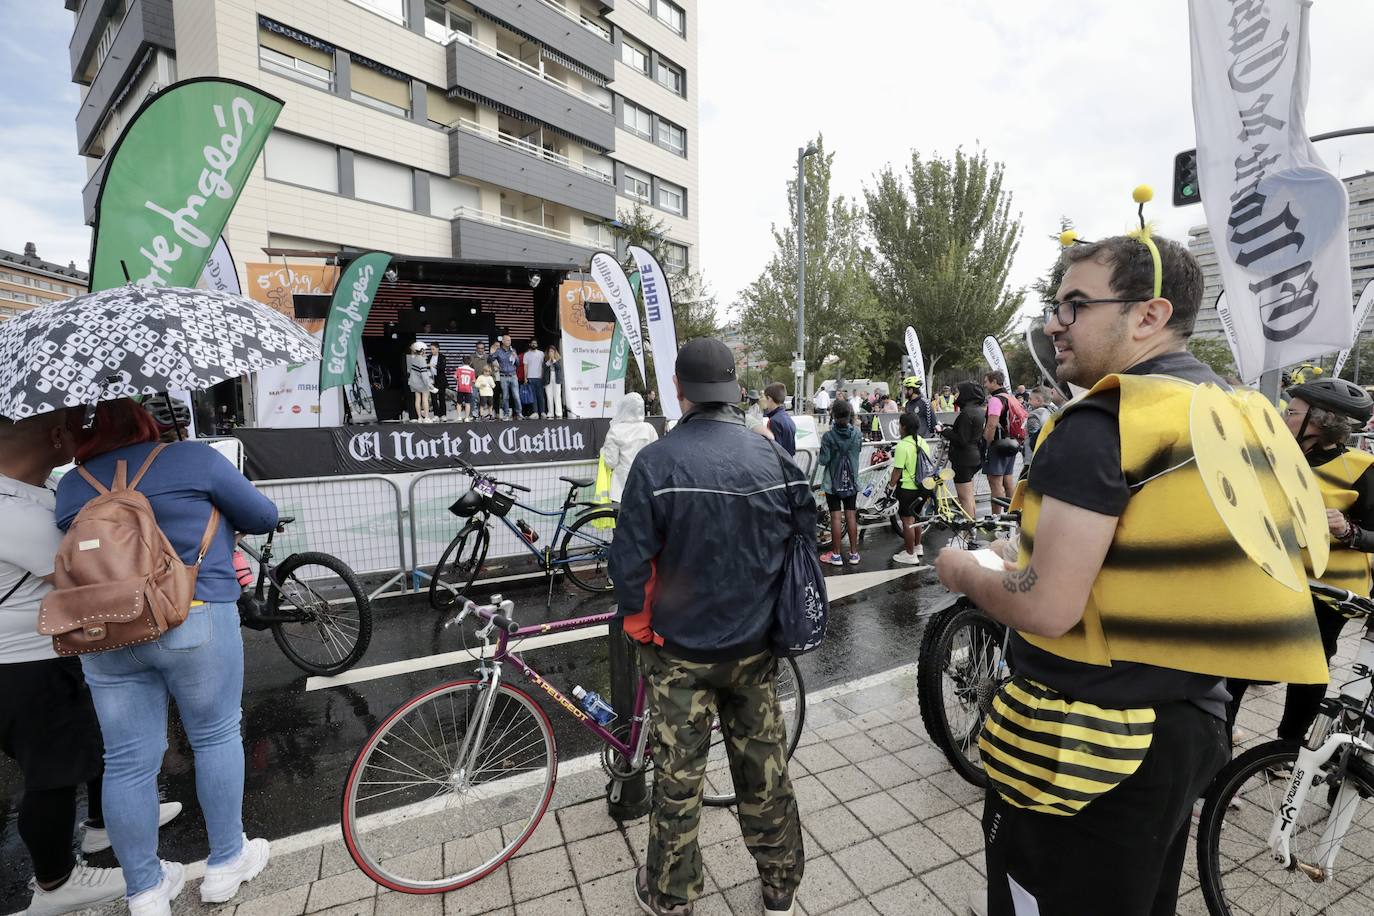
300, 743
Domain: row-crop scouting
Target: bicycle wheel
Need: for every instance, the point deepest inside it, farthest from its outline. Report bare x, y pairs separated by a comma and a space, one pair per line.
586, 550
458, 566
720, 790
419, 817
1239, 874
958, 672
335, 614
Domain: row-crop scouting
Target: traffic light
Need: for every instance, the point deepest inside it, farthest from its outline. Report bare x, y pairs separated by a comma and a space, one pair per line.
1185, 179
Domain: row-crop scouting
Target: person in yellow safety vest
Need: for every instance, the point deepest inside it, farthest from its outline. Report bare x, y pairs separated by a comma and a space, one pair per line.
1130, 601
910, 461
1322, 414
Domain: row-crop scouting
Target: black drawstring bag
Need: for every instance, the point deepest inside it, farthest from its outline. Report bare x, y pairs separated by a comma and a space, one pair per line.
802, 609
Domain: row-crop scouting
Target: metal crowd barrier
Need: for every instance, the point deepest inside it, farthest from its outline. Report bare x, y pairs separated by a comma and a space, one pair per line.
356, 518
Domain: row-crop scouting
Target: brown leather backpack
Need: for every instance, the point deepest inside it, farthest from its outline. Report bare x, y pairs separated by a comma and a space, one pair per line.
118, 582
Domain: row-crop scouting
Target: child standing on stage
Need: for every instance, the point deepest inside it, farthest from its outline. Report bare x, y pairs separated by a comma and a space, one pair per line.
486, 387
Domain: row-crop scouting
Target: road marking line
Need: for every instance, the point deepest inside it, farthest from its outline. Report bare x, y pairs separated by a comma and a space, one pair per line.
836, 587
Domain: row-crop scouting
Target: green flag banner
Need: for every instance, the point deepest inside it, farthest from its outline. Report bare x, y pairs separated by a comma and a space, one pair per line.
620, 350
173, 179
348, 312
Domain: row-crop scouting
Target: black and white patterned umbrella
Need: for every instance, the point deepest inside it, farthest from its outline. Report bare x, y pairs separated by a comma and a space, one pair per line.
134, 340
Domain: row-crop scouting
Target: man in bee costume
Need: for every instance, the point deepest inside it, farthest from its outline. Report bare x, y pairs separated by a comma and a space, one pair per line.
1160, 553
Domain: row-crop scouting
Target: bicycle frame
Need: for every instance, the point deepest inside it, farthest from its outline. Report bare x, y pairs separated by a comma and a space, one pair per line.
632, 749
562, 514
1281, 834
258, 612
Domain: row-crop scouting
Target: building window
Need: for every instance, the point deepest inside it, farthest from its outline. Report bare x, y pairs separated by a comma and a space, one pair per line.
642, 4
638, 119
383, 182
296, 68
442, 23
672, 136
446, 197
675, 257
379, 91
391, 9
637, 185
634, 54
595, 230
300, 161
671, 15
671, 197
671, 77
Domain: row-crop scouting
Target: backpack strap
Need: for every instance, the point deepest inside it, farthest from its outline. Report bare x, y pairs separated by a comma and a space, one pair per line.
22, 579
147, 462
96, 485
210, 528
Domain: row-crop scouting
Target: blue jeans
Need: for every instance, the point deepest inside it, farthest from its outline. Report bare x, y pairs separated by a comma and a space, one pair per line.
541, 405
508, 391
200, 663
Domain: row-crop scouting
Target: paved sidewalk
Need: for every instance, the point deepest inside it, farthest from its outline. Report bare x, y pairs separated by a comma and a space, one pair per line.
890, 829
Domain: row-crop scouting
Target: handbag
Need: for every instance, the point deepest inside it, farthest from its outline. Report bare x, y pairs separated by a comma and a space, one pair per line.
802, 610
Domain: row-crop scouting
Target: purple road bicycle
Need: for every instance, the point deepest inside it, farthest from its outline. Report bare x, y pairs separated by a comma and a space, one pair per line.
457, 778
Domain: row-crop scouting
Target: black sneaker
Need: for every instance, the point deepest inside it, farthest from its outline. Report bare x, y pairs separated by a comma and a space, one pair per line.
649, 902
776, 903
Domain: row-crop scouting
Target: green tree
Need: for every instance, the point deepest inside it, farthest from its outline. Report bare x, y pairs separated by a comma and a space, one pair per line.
1047, 287
841, 312
1215, 352
944, 238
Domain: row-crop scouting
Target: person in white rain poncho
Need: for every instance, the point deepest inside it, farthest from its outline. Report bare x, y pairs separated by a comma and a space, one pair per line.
627, 435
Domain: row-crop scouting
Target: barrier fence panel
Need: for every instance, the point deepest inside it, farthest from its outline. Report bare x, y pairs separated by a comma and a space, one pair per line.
432, 526
357, 519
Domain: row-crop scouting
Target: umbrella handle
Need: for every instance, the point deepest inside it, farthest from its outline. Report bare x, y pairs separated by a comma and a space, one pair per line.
89, 420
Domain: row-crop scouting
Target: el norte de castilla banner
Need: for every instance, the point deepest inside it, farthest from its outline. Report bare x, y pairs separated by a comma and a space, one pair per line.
173, 179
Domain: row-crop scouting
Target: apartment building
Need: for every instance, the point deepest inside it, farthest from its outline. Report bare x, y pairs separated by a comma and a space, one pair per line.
26, 281
1361, 233
500, 131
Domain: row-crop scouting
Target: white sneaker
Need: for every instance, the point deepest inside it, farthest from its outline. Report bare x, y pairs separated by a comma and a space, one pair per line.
97, 839
85, 886
222, 881
909, 559
978, 902
157, 901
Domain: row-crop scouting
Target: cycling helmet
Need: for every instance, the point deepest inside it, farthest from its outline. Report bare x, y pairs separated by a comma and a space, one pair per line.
467, 504
911, 381
168, 413
1336, 395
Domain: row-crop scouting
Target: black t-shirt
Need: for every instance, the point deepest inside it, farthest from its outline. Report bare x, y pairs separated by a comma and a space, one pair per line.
1080, 464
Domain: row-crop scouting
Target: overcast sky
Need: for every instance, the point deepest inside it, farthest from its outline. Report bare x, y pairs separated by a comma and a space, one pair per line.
1082, 99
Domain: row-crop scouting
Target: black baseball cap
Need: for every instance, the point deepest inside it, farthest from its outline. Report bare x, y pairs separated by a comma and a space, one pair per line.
706, 371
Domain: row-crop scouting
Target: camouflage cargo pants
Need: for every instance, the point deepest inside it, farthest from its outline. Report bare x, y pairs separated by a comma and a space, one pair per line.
685, 697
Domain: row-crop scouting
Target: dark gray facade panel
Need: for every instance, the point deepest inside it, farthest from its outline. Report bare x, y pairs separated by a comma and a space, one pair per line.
343, 74
525, 92
484, 242
476, 157
347, 187
415, 16
420, 182
92, 190
555, 30
84, 33
148, 23
419, 102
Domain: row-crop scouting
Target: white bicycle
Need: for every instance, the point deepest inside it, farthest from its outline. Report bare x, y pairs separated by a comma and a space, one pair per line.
1290, 829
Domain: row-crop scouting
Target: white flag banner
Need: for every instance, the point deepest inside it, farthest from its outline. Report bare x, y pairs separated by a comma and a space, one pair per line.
1361, 316
913, 350
1276, 213
219, 272
616, 287
658, 315
992, 353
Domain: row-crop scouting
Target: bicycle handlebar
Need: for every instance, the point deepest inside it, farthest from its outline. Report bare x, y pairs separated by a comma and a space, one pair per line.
473, 472
1342, 597
491, 614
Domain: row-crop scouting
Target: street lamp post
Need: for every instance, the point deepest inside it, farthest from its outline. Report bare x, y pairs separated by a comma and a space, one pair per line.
799, 364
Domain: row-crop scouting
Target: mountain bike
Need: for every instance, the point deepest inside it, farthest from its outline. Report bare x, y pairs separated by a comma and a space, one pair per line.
312, 602
1289, 829
961, 664
456, 779
582, 554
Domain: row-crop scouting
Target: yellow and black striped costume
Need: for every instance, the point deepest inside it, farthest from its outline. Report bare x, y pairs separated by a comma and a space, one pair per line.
1348, 569
1175, 591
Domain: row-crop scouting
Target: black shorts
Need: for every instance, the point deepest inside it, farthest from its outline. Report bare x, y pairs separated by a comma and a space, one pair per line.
836, 503
463, 398
965, 474
48, 724
485, 401
909, 501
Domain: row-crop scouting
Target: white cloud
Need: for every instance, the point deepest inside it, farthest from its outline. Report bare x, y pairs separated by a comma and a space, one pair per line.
1082, 100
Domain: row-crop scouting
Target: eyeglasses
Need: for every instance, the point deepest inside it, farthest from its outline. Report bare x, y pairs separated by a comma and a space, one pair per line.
1056, 311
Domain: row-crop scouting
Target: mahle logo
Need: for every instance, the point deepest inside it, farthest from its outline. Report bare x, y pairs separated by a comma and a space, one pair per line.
589, 366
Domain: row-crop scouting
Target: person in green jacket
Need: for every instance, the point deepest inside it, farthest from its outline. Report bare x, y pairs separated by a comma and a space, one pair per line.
839, 456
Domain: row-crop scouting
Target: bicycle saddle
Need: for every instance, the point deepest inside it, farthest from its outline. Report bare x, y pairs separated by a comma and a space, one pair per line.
579, 481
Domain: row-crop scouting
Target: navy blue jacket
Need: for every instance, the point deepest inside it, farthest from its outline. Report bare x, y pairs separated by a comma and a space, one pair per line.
783, 429
701, 536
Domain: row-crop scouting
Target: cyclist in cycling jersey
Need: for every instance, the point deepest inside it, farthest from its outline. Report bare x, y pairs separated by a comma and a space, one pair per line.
917, 404
1322, 415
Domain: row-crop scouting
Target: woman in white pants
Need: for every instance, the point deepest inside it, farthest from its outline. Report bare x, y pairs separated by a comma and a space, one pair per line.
553, 381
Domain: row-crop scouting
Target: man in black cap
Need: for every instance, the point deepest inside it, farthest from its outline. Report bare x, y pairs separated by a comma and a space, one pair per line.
710, 495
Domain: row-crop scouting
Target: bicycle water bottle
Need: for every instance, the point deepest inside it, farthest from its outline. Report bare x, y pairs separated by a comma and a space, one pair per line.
596, 707
526, 531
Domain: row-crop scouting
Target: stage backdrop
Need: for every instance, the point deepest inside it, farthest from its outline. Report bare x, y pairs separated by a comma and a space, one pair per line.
586, 347
398, 448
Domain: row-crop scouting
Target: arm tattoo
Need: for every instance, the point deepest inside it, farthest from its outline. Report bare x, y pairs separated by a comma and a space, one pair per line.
1021, 581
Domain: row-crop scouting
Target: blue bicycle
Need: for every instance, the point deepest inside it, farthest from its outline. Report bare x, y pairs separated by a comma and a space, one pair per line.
582, 553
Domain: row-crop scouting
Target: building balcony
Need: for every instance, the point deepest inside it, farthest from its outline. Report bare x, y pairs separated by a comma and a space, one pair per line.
148, 24
499, 158
91, 191
528, 89
482, 236
551, 23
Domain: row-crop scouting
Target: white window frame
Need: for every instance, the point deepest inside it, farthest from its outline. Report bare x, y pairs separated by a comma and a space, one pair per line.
386, 171
302, 176
365, 99
666, 126
672, 263
676, 20
449, 32
629, 44
647, 132
634, 178
678, 84
293, 68
667, 188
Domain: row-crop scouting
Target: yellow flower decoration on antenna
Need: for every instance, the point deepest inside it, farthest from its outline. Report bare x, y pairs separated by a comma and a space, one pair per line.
1143, 194
1067, 238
